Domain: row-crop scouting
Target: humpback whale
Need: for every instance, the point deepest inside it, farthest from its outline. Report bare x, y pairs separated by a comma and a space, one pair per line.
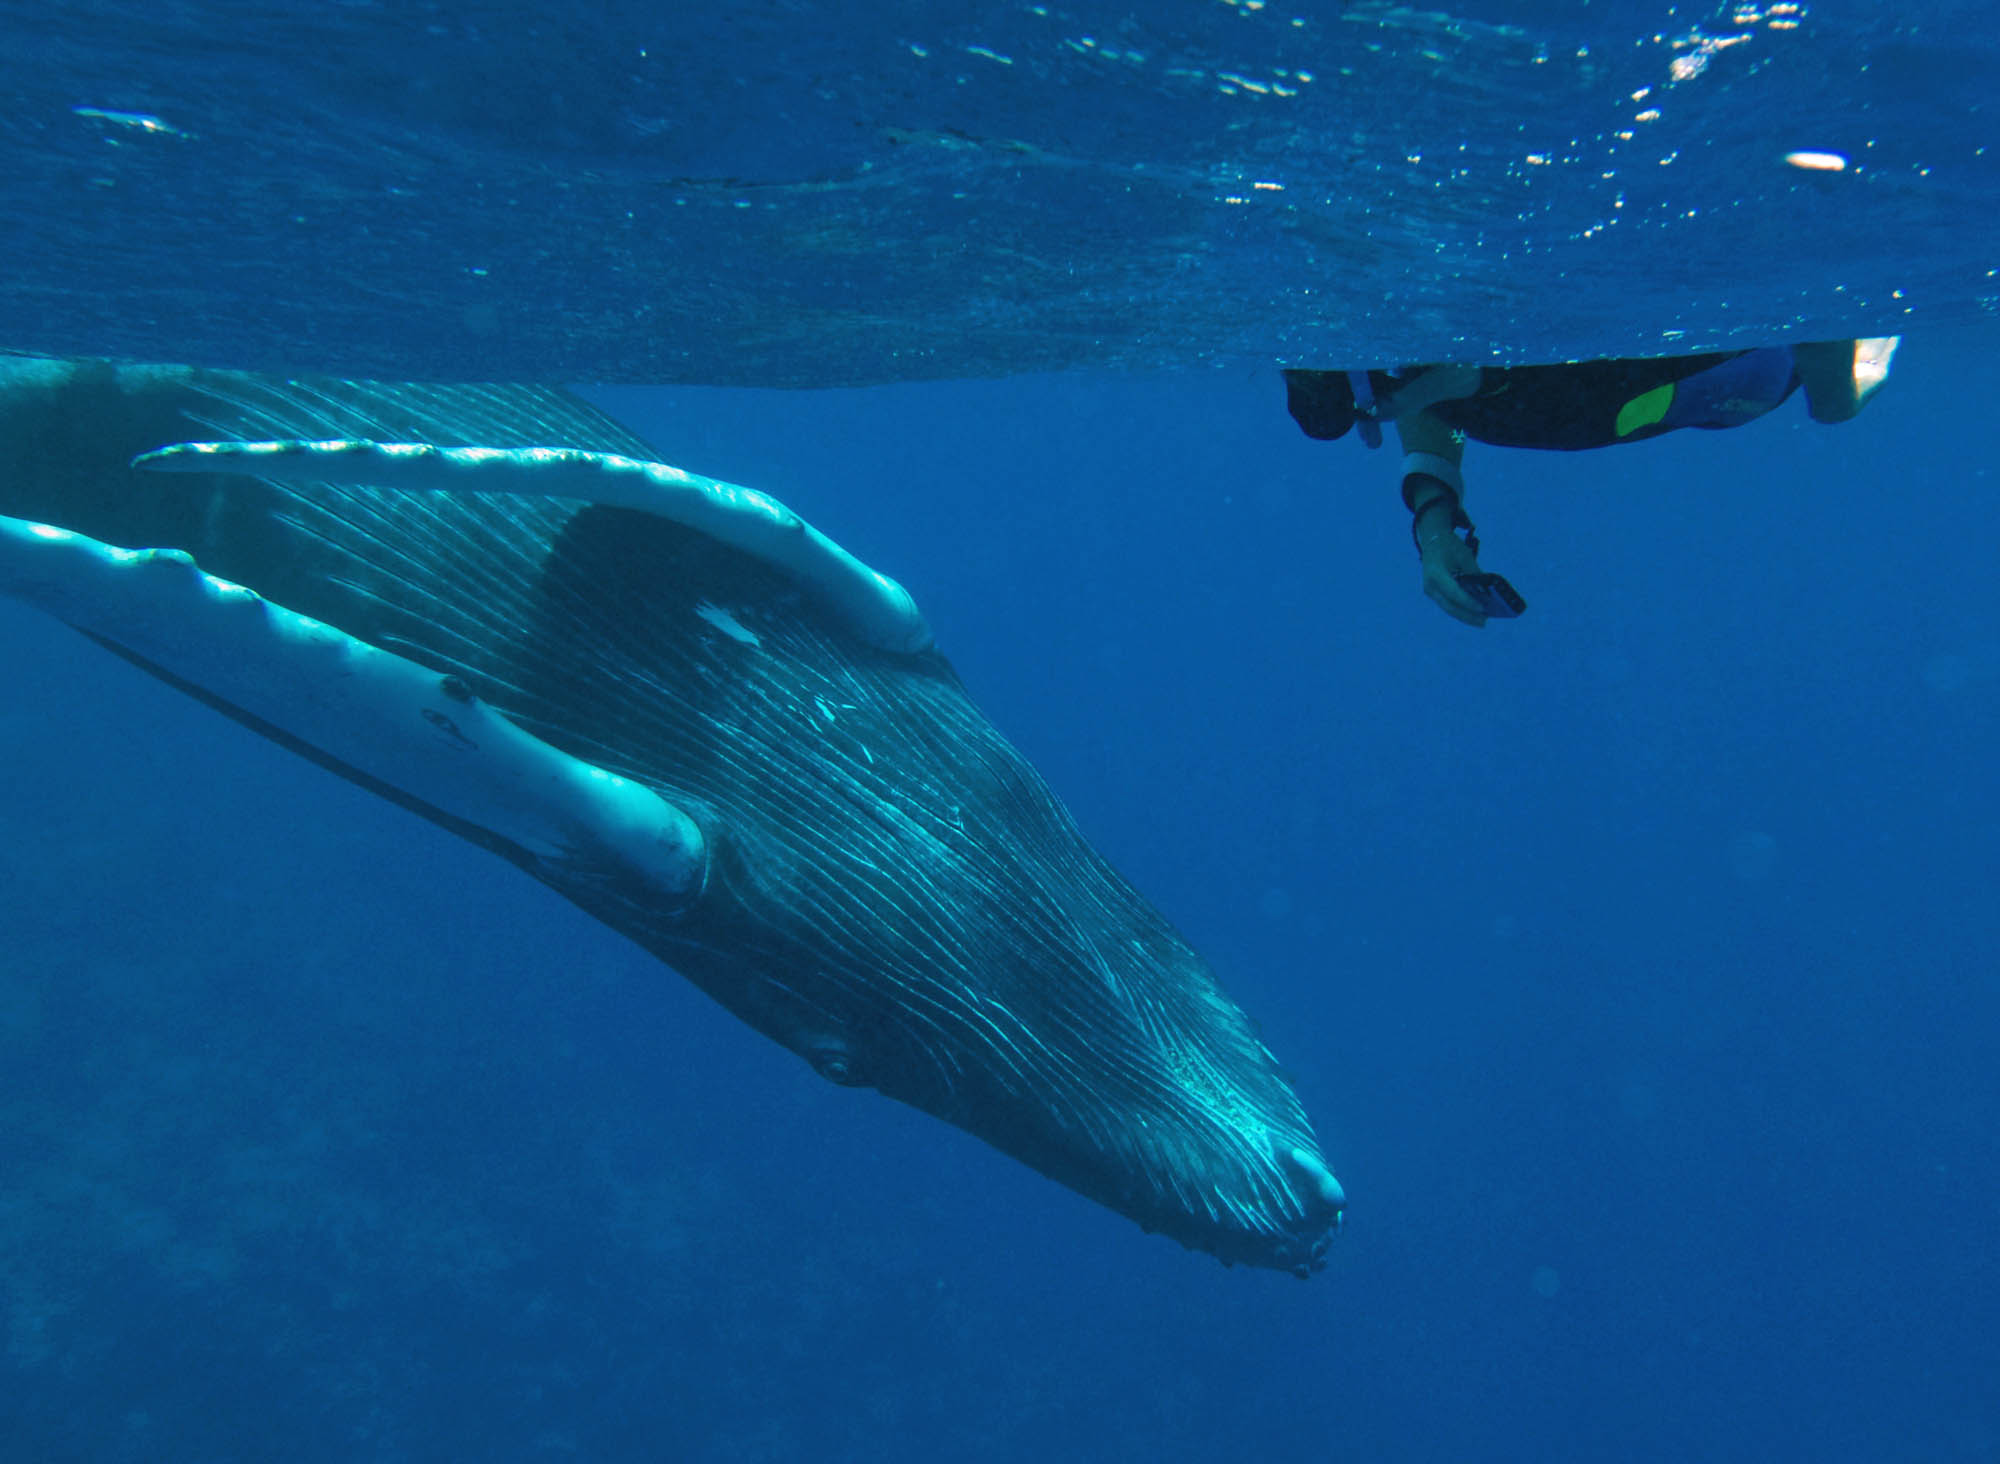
691, 714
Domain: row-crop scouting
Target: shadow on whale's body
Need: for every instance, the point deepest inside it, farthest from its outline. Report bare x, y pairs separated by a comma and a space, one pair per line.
687, 712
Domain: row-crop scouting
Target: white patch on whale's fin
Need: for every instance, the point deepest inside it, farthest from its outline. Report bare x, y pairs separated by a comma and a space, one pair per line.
381, 715
877, 608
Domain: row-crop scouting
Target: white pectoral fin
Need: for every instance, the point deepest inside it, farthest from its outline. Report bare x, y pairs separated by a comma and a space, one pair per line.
407, 727
875, 606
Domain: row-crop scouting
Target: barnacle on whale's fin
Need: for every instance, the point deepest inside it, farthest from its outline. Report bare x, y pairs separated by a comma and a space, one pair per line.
878, 609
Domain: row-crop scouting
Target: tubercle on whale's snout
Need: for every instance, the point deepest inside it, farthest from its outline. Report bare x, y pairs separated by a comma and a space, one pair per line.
1281, 1213
1325, 1204
1296, 1237
1313, 1170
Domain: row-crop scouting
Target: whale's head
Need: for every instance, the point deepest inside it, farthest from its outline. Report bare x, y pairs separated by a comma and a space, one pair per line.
896, 895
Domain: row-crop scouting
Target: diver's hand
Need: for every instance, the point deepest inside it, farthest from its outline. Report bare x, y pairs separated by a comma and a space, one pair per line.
1445, 557
1441, 583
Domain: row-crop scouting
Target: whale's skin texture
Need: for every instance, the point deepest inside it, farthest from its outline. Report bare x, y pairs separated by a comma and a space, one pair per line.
888, 890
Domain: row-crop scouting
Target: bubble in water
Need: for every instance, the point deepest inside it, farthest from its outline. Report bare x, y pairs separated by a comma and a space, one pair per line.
1547, 1281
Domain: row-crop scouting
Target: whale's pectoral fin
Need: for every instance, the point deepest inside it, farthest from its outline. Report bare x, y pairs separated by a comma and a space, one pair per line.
407, 732
873, 605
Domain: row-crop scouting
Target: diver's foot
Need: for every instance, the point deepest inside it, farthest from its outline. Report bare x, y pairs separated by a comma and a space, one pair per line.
1872, 356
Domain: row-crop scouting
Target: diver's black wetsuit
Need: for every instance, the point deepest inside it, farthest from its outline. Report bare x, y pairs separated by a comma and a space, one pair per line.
1580, 405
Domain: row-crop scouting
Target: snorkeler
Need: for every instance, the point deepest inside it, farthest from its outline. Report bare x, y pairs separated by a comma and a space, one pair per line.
1565, 408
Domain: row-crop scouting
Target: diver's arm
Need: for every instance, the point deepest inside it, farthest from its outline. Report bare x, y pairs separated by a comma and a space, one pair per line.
1840, 376
1434, 492
1428, 387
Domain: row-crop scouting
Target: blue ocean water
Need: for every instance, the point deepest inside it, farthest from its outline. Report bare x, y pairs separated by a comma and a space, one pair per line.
1635, 959
804, 193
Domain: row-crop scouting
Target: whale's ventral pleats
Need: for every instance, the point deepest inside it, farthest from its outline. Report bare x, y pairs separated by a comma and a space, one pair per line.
690, 713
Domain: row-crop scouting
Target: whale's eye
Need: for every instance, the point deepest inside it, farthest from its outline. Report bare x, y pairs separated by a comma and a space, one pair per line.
831, 1058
